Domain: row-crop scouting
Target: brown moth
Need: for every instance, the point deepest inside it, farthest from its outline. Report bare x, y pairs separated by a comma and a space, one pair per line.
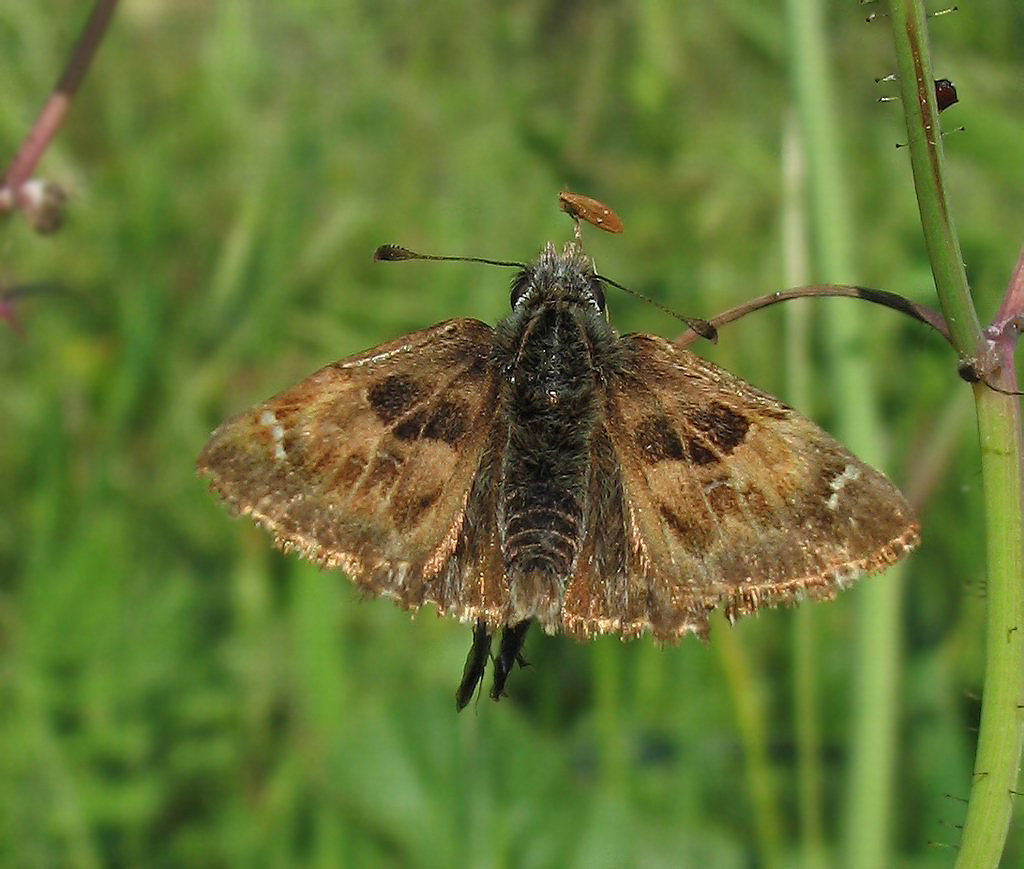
550, 470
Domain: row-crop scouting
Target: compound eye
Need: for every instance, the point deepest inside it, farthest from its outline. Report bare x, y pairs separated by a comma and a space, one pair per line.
520, 286
597, 291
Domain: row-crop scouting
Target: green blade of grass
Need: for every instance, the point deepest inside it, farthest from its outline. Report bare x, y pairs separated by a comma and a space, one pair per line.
745, 690
997, 761
869, 796
805, 652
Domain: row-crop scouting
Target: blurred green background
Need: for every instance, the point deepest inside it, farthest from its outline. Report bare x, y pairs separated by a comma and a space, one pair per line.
174, 692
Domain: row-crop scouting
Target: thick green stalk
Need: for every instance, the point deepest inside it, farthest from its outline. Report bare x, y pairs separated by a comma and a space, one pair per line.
997, 762
913, 64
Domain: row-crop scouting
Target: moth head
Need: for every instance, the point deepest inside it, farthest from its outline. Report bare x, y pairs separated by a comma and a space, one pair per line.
567, 276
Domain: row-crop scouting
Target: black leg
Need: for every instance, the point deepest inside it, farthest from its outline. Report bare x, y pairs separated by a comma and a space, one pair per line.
476, 661
509, 653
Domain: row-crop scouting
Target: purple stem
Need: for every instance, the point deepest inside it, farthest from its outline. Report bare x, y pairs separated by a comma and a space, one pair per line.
56, 107
1012, 308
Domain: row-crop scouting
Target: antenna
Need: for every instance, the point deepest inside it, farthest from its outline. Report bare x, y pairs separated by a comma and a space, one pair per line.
701, 327
578, 207
397, 253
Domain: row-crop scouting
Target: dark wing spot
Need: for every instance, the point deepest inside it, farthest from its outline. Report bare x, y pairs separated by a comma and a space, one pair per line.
447, 423
411, 428
393, 396
699, 453
693, 536
410, 511
724, 426
385, 470
476, 369
658, 441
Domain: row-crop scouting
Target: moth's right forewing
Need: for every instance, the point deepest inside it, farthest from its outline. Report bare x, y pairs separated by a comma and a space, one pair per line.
734, 499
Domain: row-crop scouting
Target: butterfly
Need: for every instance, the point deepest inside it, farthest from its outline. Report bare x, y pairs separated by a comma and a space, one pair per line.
549, 470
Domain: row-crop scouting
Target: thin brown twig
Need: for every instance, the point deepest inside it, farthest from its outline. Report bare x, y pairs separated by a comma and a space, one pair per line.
59, 101
921, 313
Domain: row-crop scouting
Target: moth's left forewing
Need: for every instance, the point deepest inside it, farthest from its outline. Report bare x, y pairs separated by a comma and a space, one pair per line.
367, 464
734, 499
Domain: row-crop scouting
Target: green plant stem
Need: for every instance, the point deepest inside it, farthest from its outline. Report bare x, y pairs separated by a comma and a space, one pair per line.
917, 87
869, 797
997, 761
745, 692
806, 697
611, 731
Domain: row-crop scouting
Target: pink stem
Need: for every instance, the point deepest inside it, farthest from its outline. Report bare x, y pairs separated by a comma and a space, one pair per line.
1013, 302
56, 107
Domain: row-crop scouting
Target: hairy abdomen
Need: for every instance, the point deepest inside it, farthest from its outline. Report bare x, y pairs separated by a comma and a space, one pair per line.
551, 409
